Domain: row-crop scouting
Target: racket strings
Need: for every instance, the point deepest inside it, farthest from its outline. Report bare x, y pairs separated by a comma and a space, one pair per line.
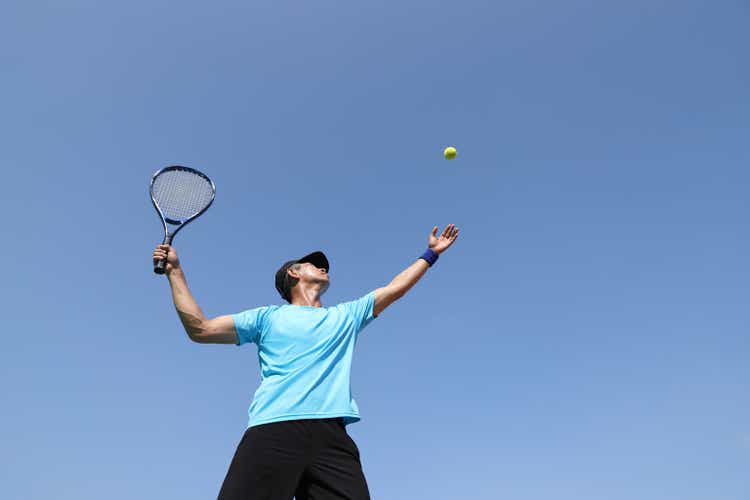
181, 194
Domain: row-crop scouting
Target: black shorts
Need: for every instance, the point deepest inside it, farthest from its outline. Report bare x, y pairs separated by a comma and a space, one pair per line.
306, 459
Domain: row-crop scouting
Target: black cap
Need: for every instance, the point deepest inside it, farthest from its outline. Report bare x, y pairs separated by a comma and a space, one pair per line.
283, 284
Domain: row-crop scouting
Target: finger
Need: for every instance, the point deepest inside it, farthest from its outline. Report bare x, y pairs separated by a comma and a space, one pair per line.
434, 231
447, 230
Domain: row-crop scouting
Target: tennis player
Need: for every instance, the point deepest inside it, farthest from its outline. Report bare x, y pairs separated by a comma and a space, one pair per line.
296, 444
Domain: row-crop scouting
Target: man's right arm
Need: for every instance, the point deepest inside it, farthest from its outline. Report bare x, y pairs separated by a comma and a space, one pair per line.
219, 330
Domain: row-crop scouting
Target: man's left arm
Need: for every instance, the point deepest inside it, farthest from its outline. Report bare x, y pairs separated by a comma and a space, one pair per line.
407, 278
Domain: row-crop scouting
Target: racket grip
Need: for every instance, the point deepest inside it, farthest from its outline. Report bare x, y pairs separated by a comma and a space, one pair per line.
161, 265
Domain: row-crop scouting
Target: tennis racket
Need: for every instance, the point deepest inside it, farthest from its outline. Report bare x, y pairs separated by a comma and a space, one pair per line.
180, 195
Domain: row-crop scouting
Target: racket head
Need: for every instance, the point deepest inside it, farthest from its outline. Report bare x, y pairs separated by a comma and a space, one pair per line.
179, 195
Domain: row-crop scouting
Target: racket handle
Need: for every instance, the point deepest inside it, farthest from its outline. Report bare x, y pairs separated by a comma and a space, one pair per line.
161, 265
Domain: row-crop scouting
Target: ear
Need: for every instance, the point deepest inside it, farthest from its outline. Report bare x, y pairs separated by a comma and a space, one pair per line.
291, 272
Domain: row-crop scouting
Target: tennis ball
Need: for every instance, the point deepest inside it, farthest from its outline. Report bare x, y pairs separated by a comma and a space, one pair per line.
449, 153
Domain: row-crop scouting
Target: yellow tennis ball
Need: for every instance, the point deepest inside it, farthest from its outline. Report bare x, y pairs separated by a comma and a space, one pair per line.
449, 153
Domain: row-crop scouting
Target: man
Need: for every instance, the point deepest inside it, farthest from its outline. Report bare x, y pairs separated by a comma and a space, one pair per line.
296, 444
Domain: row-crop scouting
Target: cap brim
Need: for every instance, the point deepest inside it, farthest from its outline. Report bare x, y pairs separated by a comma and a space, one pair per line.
318, 259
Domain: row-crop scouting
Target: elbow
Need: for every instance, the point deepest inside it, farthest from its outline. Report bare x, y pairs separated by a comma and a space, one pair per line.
198, 334
195, 337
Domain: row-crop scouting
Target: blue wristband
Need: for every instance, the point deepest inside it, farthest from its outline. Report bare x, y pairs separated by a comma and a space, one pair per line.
430, 256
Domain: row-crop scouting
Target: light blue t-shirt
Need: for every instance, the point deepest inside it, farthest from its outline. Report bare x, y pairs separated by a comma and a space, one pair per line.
305, 356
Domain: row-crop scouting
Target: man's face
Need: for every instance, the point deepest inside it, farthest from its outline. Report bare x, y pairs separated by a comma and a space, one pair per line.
308, 273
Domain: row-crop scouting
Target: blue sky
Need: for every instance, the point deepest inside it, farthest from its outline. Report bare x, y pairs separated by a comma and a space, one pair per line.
587, 337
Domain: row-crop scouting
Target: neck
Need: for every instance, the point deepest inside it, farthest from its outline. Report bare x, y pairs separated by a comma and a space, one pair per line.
307, 295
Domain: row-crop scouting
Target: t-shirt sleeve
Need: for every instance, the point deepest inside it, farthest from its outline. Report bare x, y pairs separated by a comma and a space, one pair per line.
249, 324
360, 310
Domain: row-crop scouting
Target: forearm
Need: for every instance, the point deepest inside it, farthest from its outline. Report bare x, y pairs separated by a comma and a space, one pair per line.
399, 285
409, 277
187, 308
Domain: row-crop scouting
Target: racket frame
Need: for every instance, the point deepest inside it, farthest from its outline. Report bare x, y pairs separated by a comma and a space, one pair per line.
169, 236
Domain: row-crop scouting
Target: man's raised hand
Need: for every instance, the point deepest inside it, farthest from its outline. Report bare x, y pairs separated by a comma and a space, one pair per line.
446, 239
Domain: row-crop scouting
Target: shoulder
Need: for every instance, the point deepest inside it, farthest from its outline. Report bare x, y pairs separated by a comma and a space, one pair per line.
256, 313
261, 309
353, 305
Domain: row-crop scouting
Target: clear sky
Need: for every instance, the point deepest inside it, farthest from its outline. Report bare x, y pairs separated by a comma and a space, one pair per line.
587, 336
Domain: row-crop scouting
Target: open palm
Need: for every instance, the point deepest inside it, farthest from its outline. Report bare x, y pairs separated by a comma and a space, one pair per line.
439, 244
